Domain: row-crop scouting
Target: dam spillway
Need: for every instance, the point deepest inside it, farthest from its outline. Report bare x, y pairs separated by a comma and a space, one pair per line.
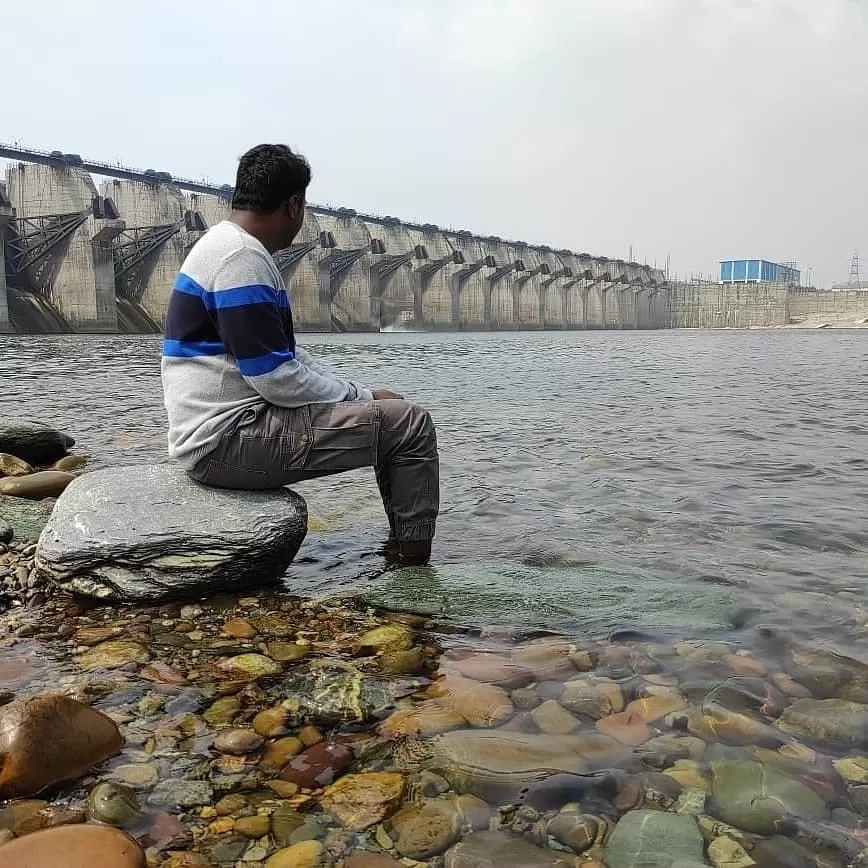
104, 259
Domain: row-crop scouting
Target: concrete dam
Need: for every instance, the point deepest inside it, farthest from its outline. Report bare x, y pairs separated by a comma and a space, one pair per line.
82, 258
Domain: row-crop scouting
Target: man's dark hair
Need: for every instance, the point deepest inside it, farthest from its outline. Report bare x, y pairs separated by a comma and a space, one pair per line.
268, 175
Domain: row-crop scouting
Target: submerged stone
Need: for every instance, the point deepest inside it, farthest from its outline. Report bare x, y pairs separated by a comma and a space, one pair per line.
497, 850
655, 839
80, 846
425, 830
363, 800
35, 486
753, 797
837, 721
27, 518
51, 738
113, 804
149, 532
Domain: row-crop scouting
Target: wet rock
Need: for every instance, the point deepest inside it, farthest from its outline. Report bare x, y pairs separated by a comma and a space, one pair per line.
147, 533
489, 669
238, 742
238, 628
271, 722
33, 442
222, 711
689, 773
546, 659
331, 691
113, 804
257, 826
51, 738
579, 832
287, 652
654, 839
525, 698
425, 720
475, 812
318, 766
626, 727
481, 705
497, 850
725, 852
422, 831
552, 718
304, 854
387, 637
652, 708
279, 753
781, 852
361, 801
70, 463
753, 797
590, 697
250, 667
81, 846
309, 735
853, 769
12, 466
402, 662
27, 518
44, 483
6, 532
174, 794
830, 720
361, 859
113, 655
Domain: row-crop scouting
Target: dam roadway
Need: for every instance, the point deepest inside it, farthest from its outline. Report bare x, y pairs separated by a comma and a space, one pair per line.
85, 258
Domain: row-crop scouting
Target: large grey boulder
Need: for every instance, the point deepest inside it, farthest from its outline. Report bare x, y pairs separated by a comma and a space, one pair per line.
149, 532
33, 442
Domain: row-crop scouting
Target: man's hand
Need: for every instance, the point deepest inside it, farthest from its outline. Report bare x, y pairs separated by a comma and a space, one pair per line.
386, 395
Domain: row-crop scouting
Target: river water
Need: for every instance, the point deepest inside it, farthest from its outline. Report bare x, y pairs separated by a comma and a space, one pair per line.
612, 488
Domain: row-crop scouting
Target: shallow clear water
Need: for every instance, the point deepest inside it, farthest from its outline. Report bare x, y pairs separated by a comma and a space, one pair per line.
702, 460
687, 508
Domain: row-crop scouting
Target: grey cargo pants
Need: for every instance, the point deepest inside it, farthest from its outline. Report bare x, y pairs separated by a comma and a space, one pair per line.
269, 447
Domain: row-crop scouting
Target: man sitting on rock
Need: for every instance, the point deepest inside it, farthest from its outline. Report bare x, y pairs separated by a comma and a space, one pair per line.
248, 408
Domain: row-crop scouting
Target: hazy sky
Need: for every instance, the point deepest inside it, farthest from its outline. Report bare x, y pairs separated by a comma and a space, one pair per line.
701, 129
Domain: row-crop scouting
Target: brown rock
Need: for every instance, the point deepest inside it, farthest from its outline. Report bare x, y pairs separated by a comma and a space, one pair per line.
50, 738
238, 742
652, 708
238, 628
425, 830
83, 846
95, 635
318, 766
69, 463
45, 483
553, 719
271, 722
360, 801
429, 718
256, 826
12, 466
361, 859
481, 705
278, 753
489, 669
284, 789
626, 727
304, 854
547, 659
592, 697
230, 804
309, 736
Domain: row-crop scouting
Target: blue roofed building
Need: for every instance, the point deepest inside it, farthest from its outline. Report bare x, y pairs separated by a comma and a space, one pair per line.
759, 271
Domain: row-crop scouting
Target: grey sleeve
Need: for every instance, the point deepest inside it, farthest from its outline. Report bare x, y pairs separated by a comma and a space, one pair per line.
361, 393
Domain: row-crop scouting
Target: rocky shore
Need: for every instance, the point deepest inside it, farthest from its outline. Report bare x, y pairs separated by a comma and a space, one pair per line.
253, 728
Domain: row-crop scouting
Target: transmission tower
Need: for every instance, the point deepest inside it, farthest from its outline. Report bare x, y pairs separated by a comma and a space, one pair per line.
855, 271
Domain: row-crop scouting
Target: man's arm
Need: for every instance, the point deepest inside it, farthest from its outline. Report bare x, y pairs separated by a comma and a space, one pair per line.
309, 361
246, 306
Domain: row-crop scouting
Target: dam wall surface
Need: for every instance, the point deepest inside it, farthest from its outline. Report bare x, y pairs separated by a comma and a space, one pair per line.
105, 260
737, 306
842, 309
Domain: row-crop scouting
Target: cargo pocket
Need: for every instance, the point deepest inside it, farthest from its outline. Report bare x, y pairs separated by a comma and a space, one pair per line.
297, 438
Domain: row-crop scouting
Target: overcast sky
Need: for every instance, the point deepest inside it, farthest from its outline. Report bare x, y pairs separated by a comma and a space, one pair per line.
698, 129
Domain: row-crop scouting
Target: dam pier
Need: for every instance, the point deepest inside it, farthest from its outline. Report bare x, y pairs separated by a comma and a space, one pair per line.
88, 258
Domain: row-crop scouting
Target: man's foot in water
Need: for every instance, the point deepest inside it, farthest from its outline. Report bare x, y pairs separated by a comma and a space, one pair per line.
412, 554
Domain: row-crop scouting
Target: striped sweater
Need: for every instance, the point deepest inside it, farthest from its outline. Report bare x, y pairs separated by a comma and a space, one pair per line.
229, 344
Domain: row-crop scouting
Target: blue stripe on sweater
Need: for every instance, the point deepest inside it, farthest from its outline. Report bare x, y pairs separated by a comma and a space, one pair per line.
191, 349
239, 296
264, 364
